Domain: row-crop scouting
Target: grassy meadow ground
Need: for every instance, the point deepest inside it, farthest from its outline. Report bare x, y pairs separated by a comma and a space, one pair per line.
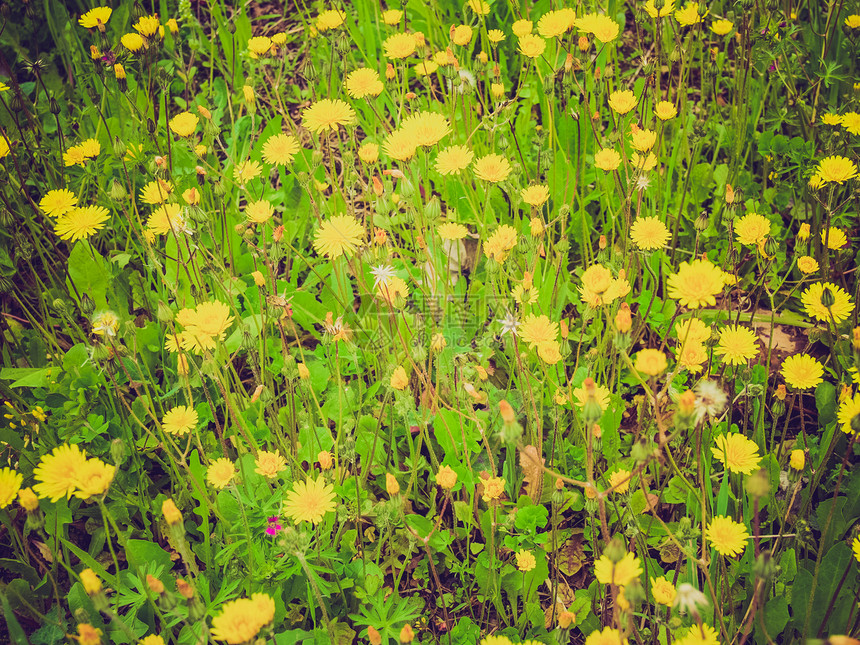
495, 322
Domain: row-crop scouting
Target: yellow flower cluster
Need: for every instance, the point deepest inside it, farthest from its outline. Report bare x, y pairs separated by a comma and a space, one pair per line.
66, 471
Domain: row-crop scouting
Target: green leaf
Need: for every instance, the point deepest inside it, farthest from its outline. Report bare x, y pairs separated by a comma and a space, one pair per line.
88, 273
140, 554
825, 401
776, 617
16, 632
91, 562
27, 376
531, 518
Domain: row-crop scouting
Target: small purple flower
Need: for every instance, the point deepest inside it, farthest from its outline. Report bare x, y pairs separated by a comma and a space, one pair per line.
273, 529
273, 519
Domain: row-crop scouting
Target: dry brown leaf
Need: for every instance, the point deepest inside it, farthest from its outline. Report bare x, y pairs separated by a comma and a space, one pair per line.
571, 556
669, 553
44, 551
530, 462
785, 337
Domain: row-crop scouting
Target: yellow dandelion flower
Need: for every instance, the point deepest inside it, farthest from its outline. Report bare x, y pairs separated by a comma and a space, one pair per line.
531, 46
649, 233
400, 145
802, 371
848, 410
239, 621
696, 284
453, 159
328, 114
622, 101
651, 362
667, 9
95, 18
94, 478
665, 110
184, 124
737, 345
58, 202
269, 464
500, 243
607, 159
427, 128
835, 238
620, 573
363, 82
836, 169
246, 171
179, 420
689, 15
280, 149
535, 195
133, 41
737, 453
10, 485
331, 19
259, 45
81, 223
310, 501
156, 192
556, 23
57, 472
259, 212
807, 264
147, 26
606, 636
535, 330
462, 35
399, 46
338, 235
493, 168
728, 537
663, 591
452, 231
813, 300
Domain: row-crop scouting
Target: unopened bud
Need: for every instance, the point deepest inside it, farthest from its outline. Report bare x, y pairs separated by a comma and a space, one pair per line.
171, 513
391, 485
185, 590
507, 412
155, 585
623, 319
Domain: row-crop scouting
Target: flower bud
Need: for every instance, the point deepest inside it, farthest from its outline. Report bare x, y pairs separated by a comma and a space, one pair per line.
446, 477
88, 305
391, 485
324, 457
91, 582
185, 590
171, 513
507, 412
406, 634
757, 484
615, 551
798, 459
28, 500
118, 192
155, 585
623, 319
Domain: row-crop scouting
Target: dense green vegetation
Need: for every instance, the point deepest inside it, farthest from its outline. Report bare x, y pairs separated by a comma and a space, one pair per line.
433, 323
